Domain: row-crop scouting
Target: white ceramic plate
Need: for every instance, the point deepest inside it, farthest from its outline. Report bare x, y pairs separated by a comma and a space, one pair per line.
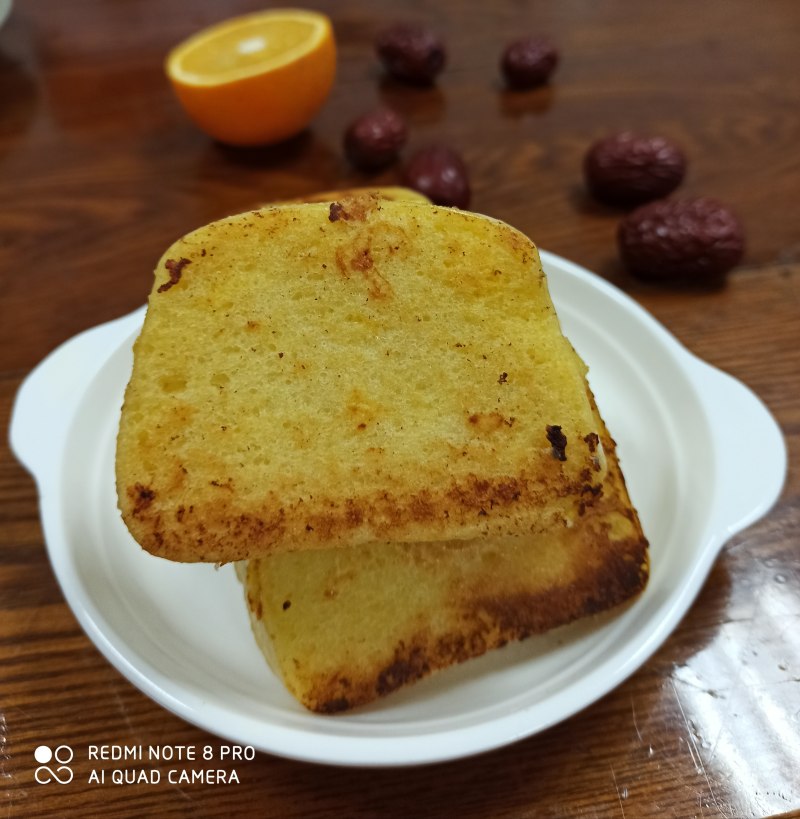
702, 457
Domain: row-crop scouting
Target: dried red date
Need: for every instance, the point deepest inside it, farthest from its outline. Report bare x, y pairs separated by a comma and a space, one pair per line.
411, 53
440, 174
683, 240
630, 169
528, 62
374, 140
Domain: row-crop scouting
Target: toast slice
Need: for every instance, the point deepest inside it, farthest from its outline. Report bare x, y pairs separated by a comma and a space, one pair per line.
344, 627
319, 375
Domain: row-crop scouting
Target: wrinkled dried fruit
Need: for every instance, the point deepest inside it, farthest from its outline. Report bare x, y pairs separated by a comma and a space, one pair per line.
440, 174
375, 139
629, 169
682, 240
411, 53
528, 62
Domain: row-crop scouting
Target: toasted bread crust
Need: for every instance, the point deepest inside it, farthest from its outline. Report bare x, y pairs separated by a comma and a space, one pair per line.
186, 534
313, 376
491, 623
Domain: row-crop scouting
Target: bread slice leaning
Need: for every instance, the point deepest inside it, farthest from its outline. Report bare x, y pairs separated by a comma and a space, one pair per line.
315, 376
344, 627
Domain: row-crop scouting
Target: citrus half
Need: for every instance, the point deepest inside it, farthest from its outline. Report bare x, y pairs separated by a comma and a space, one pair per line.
256, 79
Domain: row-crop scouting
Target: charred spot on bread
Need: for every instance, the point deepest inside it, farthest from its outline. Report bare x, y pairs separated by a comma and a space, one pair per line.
558, 441
175, 270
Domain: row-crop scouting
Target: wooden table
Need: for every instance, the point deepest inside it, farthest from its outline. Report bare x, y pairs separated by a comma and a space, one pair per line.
101, 171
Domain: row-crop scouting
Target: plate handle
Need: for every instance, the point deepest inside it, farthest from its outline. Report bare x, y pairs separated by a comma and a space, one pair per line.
749, 448
46, 400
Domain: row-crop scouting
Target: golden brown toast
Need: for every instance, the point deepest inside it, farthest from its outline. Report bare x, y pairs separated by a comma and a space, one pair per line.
324, 375
344, 627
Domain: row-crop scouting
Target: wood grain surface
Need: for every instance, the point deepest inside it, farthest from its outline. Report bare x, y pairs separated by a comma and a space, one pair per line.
100, 171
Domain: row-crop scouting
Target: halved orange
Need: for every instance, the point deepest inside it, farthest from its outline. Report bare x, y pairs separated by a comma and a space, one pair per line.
256, 79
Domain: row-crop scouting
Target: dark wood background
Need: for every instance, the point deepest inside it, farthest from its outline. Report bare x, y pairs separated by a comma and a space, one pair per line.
100, 171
